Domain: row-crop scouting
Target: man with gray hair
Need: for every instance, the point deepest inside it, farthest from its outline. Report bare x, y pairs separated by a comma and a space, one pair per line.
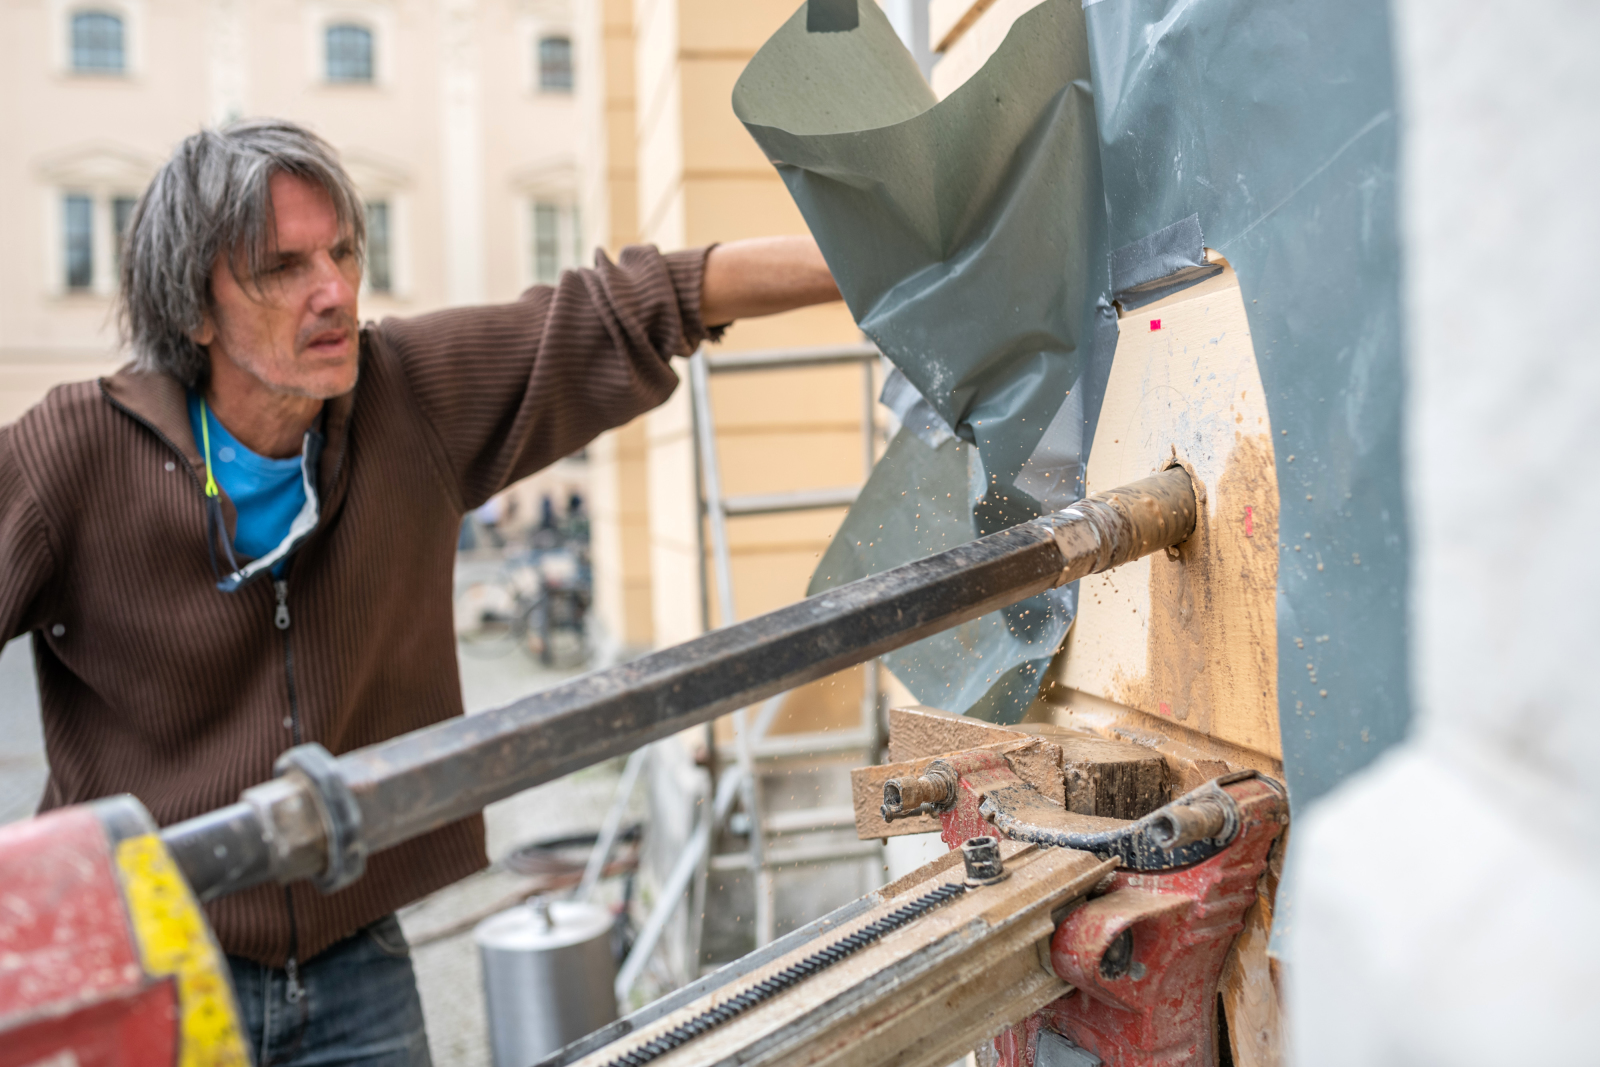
244, 539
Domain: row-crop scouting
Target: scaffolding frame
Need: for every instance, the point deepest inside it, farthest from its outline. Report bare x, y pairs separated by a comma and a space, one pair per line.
753, 746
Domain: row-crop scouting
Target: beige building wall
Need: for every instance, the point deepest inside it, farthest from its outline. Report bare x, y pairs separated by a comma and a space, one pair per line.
608, 191
702, 179
454, 134
91, 134
965, 33
699, 178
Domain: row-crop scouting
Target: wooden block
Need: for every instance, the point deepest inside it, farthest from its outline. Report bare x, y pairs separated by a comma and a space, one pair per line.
1034, 760
1113, 779
923, 731
1190, 640
1199, 772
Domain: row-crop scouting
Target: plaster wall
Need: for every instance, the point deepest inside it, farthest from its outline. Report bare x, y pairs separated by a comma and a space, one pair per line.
1471, 964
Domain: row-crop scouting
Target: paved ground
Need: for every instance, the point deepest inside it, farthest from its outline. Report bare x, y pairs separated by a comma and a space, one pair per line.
448, 971
22, 767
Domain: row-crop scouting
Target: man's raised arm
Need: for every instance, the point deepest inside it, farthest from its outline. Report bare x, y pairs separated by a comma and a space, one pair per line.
763, 276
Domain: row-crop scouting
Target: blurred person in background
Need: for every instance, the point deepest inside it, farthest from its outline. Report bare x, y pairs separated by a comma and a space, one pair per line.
243, 540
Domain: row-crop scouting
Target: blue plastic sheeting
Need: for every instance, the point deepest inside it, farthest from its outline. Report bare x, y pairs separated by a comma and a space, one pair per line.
980, 240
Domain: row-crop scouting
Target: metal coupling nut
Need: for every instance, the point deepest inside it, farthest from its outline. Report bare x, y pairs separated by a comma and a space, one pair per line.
1208, 816
982, 857
929, 793
343, 851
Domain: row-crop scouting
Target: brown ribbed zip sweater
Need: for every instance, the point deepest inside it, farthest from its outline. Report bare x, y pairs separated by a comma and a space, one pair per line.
153, 682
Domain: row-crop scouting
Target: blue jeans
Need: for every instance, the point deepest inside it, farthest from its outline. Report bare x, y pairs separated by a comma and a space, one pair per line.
358, 1005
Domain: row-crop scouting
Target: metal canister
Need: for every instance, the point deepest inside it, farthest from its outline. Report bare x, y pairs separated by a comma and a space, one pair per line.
547, 977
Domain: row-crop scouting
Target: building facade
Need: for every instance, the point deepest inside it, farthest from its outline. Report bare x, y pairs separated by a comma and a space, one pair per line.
455, 118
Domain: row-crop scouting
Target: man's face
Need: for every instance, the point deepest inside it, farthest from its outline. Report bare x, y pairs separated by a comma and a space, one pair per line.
294, 328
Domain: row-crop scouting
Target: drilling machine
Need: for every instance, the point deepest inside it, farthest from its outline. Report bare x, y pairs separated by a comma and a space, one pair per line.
1073, 935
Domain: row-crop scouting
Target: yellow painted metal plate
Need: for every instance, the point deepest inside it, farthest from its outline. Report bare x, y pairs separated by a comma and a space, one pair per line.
175, 941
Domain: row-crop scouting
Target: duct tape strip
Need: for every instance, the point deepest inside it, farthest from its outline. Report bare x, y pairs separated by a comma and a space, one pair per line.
1160, 264
832, 16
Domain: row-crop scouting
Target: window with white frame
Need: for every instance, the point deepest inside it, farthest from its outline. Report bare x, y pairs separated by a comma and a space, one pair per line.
557, 240
348, 53
380, 248
555, 64
94, 227
77, 242
97, 43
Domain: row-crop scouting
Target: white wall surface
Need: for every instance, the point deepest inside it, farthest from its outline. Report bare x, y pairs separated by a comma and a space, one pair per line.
1448, 909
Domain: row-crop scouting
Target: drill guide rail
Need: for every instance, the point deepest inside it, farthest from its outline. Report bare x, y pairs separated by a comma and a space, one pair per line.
323, 816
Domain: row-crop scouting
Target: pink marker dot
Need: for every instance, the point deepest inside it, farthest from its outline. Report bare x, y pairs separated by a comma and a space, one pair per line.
1155, 324
1166, 709
1249, 521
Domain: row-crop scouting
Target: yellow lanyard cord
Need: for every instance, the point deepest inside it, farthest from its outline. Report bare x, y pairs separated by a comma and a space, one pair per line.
205, 436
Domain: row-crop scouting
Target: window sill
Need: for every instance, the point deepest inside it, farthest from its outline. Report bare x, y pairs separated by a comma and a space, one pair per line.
118, 77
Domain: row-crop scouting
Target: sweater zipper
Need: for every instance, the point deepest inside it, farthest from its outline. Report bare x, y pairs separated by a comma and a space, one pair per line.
293, 991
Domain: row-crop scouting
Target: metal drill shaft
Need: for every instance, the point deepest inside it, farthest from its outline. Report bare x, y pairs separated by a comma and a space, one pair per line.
417, 782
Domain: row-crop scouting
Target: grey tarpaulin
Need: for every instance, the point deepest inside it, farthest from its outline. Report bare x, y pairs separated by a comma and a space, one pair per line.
968, 238
1274, 122
961, 238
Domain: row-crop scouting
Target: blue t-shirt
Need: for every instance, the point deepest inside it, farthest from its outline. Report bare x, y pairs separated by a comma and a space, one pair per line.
266, 493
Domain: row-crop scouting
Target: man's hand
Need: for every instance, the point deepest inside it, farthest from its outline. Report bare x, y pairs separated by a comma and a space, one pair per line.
763, 276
